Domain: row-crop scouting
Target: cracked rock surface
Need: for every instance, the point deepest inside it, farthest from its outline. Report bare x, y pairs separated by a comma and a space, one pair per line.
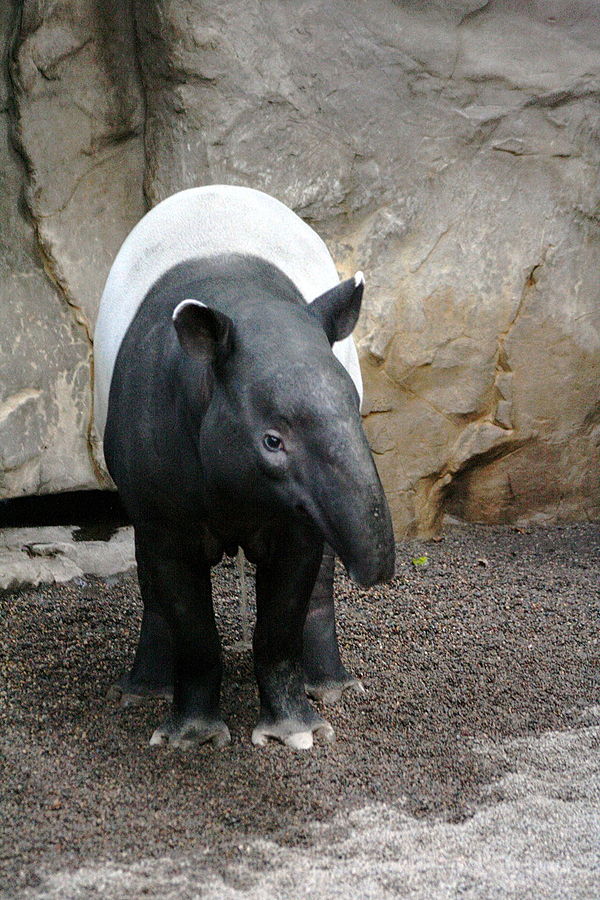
449, 150
49, 554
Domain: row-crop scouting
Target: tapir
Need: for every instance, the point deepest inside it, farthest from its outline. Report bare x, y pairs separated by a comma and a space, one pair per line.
229, 422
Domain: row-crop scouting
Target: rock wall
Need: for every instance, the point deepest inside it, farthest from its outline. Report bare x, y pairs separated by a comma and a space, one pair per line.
451, 150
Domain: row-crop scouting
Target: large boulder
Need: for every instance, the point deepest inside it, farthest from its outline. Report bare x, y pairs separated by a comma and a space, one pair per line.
450, 150
45, 354
74, 112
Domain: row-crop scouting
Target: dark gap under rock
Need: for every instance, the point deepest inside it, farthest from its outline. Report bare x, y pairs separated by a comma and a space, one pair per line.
96, 514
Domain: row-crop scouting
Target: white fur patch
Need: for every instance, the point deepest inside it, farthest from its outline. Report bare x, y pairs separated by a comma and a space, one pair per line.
204, 222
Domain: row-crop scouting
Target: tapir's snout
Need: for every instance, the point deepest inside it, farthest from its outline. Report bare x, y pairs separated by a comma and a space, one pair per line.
370, 555
354, 517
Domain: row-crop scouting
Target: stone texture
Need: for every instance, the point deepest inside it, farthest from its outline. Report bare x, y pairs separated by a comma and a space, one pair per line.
44, 353
80, 122
78, 127
32, 556
450, 150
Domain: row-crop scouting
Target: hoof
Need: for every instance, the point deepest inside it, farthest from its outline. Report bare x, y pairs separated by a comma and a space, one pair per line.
292, 733
132, 695
330, 692
191, 733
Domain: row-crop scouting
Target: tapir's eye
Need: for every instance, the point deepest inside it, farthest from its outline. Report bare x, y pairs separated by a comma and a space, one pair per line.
273, 442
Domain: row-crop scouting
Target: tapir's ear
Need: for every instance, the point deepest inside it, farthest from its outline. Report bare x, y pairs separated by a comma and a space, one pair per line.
204, 333
337, 309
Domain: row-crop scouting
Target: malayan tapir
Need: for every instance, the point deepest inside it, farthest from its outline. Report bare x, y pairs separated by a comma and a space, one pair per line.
229, 422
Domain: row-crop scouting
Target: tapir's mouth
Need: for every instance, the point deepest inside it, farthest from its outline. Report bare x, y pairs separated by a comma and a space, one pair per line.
372, 577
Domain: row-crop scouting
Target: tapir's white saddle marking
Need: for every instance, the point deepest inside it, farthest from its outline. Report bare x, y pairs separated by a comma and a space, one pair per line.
207, 221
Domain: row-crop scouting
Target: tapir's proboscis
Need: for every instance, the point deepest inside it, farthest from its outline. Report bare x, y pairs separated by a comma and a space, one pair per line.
227, 393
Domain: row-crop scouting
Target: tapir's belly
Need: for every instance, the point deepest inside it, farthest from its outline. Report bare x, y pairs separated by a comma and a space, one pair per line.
204, 222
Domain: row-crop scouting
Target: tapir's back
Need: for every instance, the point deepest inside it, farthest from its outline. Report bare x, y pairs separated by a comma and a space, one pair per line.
204, 222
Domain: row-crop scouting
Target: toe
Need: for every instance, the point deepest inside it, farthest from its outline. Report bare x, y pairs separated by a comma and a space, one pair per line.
191, 734
326, 733
221, 738
259, 738
331, 692
159, 737
302, 740
292, 734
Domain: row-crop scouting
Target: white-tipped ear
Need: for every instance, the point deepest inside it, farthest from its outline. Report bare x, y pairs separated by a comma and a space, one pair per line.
183, 304
338, 309
204, 333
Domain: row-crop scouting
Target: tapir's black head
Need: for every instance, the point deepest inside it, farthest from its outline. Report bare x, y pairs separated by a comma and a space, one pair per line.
281, 432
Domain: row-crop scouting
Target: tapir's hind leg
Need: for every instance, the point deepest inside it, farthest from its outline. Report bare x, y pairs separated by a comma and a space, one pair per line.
152, 671
326, 678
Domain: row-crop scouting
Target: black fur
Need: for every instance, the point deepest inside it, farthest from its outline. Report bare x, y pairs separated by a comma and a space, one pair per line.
189, 404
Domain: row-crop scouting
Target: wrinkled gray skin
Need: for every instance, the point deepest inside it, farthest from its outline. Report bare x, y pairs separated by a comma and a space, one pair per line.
231, 424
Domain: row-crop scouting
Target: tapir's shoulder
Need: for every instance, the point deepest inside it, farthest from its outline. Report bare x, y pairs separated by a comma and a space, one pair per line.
200, 223
218, 219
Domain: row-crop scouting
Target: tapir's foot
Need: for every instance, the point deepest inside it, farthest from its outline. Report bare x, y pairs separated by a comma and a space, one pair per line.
330, 690
285, 713
129, 692
294, 732
190, 732
327, 678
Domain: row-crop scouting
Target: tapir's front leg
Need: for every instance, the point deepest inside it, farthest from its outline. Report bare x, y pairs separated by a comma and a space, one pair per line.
326, 678
179, 580
284, 582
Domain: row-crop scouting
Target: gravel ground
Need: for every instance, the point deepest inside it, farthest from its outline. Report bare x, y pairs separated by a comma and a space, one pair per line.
469, 768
